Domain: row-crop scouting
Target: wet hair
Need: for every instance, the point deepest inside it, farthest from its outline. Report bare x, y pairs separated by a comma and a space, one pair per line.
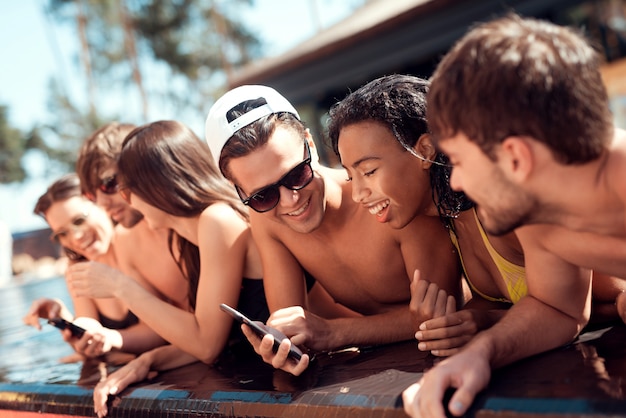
169, 167
518, 76
256, 134
64, 188
399, 103
99, 150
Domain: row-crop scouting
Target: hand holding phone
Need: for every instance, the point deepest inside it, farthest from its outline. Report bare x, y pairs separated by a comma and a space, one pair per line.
61, 323
261, 330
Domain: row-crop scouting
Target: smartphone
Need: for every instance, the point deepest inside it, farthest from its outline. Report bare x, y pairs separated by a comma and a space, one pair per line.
61, 323
261, 330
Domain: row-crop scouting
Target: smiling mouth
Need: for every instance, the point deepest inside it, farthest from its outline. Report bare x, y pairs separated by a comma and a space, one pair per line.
301, 209
378, 208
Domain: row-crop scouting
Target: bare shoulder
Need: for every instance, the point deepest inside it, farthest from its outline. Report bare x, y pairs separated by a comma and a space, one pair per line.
263, 227
221, 216
617, 163
424, 230
124, 238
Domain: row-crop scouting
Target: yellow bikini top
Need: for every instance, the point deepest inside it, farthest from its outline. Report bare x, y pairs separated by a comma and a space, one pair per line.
514, 276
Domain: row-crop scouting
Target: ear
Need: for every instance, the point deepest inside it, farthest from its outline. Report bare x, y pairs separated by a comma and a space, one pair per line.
425, 148
516, 158
315, 158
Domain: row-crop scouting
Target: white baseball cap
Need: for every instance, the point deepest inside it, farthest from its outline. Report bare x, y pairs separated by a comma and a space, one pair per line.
218, 129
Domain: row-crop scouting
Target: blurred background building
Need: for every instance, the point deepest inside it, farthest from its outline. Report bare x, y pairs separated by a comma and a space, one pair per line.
410, 36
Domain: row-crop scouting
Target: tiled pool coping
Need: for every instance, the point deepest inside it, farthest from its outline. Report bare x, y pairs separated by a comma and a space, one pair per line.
587, 379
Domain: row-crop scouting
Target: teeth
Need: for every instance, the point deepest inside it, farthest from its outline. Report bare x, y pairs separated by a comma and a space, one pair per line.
299, 211
375, 210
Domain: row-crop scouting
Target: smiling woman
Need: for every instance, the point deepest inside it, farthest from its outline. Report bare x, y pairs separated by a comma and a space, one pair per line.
87, 233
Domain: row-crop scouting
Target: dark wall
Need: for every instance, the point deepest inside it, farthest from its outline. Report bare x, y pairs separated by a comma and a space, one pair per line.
36, 243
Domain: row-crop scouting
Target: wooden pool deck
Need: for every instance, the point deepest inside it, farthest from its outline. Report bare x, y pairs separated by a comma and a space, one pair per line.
584, 379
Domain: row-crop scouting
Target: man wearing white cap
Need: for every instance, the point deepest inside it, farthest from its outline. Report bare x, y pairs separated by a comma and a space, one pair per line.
303, 218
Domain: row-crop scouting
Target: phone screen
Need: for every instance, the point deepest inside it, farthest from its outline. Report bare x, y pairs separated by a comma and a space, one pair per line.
261, 330
61, 323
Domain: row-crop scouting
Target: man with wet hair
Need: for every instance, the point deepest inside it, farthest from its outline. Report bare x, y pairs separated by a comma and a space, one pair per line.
519, 107
147, 250
304, 219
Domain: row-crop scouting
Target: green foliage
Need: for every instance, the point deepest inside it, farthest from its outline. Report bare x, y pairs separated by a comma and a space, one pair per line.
191, 44
13, 146
191, 35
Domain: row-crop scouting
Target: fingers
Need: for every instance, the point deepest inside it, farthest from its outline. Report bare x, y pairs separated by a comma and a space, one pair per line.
252, 337
428, 300
100, 397
446, 352
444, 347
454, 319
409, 400
424, 400
450, 305
288, 364
90, 345
418, 292
32, 320
443, 333
279, 359
441, 302
132, 372
461, 400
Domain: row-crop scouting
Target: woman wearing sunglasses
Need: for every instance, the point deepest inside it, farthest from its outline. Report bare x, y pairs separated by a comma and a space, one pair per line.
148, 249
168, 174
86, 233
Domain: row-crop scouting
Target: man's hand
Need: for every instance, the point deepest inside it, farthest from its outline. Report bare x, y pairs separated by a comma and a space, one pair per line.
280, 359
303, 327
466, 371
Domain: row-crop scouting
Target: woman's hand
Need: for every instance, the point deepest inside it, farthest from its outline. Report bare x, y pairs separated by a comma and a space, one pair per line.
45, 308
135, 371
446, 335
94, 280
428, 301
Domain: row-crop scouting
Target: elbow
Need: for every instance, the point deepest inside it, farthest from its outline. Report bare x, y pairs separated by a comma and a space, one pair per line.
208, 356
581, 322
209, 360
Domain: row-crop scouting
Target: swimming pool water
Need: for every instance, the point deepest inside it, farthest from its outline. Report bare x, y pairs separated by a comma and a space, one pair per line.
28, 355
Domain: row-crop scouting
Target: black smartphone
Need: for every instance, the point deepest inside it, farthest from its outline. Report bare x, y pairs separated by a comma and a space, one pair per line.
261, 330
61, 323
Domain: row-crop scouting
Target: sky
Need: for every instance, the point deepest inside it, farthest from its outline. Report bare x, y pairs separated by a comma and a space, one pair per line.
35, 48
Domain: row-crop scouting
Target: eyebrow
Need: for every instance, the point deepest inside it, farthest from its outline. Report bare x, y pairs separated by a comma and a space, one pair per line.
364, 159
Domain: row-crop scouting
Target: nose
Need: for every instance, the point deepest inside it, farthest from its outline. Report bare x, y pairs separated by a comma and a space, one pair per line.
76, 233
359, 190
288, 197
103, 200
455, 180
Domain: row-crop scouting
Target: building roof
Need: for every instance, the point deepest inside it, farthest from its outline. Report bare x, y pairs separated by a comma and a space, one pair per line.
382, 37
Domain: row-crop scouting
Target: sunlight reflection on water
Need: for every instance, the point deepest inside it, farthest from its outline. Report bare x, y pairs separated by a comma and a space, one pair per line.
28, 355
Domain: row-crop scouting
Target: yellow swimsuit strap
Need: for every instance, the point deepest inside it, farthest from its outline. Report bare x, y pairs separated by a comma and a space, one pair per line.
514, 276
455, 242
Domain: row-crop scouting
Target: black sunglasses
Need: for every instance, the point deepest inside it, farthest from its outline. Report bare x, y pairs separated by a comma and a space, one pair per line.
268, 197
108, 185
